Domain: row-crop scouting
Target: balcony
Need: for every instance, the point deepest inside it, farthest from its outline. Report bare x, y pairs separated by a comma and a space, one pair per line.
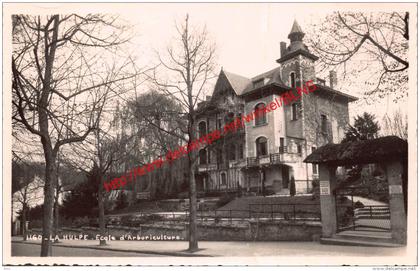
237, 163
207, 167
273, 159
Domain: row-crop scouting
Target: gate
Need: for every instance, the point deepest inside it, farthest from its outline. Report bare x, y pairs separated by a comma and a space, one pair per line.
361, 208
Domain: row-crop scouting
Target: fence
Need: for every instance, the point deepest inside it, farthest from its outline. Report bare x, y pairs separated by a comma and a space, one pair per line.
255, 212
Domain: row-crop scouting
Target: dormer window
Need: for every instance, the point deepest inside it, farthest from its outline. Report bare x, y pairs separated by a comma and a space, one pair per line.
292, 80
321, 81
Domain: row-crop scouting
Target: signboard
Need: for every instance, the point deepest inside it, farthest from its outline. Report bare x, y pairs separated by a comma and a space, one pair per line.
324, 188
395, 189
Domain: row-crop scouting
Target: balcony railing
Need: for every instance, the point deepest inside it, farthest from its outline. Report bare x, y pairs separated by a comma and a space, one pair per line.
207, 167
271, 159
283, 149
237, 163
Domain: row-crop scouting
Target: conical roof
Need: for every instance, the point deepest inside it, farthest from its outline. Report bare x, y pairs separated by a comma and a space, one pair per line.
296, 28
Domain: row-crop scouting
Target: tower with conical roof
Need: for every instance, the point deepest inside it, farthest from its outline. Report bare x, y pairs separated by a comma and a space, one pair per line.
297, 63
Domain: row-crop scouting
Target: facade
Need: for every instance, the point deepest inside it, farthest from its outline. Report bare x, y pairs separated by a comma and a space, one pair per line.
267, 153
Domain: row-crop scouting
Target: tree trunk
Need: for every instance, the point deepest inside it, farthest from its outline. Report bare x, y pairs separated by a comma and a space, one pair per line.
47, 220
193, 242
56, 214
101, 206
50, 154
24, 210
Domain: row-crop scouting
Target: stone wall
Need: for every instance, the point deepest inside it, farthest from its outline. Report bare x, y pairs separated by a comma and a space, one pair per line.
251, 231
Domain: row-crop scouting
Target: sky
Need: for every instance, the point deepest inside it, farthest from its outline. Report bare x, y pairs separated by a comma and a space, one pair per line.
247, 36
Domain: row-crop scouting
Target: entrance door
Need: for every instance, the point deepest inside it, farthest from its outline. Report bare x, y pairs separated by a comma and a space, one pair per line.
285, 176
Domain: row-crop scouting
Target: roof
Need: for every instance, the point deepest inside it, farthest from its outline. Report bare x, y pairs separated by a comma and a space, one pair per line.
239, 83
360, 152
244, 86
296, 28
336, 92
289, 54
273, 78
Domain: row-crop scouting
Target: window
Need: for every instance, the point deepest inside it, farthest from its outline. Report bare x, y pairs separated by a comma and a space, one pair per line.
261, 144
292, 80
202, 129
314, 166
299, 149
314, 169
260, 114
240, 152
324, 124
219, 123
282, 146
321, 81
223, 179
295, 111
202, 156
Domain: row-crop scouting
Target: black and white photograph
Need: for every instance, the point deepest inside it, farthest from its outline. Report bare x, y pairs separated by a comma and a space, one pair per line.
258, 134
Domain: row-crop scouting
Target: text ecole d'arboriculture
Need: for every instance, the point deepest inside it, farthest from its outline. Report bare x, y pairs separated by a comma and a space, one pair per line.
284, 99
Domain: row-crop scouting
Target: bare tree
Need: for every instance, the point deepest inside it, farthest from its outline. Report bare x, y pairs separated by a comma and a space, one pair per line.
27, 177
188, 65
61, 69
396, 124
367, 47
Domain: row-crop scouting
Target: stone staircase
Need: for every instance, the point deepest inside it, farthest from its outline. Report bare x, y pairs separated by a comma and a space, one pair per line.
372, 212
362, 238
371, 228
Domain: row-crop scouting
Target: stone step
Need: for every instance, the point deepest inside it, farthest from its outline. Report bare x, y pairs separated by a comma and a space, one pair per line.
372, 236
367, 209
373, 210
345, 242
373, 216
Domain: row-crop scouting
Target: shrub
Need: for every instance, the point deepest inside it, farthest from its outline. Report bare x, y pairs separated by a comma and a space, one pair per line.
358, 204
342, 199
80, 222
122, 201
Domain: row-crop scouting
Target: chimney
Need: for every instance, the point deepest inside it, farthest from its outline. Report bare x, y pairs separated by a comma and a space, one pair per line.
333, 79
282, 49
